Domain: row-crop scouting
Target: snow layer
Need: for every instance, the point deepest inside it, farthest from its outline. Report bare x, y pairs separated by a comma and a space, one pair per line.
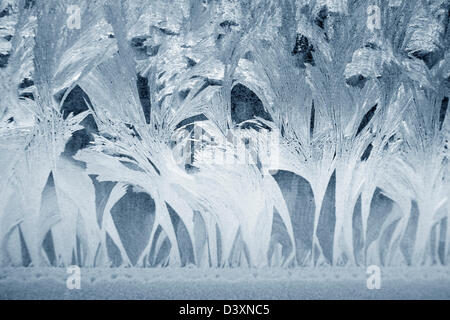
203, 284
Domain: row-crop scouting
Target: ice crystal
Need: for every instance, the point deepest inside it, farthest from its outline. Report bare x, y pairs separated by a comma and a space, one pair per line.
224, 133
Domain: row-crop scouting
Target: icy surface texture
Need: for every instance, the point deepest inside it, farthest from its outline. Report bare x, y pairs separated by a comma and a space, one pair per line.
222, 133
272, 283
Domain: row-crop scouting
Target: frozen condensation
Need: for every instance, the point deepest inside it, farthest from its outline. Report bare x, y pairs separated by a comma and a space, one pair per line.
221, 133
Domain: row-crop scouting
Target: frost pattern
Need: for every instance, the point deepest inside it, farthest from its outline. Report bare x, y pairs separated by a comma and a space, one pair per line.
141, 139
